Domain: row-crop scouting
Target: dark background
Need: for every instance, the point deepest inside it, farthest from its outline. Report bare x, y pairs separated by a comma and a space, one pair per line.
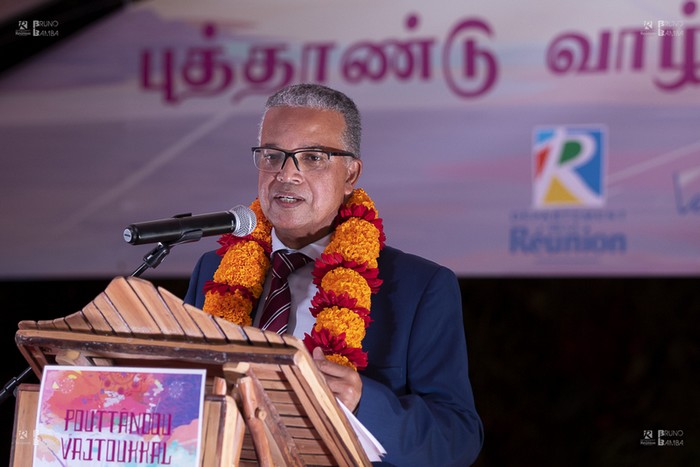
565, 371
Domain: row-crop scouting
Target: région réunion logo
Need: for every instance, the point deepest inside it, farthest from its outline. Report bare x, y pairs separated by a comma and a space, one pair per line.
569, 166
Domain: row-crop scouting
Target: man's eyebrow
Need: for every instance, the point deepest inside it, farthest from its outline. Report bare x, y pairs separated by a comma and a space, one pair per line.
306, 146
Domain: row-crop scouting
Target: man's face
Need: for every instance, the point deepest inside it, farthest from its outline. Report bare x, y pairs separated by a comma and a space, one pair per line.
302, 205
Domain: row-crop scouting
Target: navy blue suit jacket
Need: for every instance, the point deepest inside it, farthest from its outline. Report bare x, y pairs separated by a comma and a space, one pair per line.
416, 395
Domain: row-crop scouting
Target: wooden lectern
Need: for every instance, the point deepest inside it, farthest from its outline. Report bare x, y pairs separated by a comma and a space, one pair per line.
266, 402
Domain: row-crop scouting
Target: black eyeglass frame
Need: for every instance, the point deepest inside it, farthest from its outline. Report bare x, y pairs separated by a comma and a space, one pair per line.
292, 154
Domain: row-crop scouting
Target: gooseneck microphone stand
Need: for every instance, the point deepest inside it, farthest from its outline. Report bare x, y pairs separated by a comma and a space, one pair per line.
152, 259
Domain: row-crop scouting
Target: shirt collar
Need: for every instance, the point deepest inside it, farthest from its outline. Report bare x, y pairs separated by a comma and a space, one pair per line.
312, 250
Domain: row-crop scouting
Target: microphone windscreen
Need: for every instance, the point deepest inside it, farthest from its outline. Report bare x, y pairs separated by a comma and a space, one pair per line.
245, 220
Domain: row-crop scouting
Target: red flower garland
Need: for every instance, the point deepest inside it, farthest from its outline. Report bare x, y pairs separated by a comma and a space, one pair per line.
346, 275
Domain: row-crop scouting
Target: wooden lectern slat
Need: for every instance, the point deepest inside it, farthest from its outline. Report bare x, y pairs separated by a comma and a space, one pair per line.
25, 421
94, 316
159, 311
131, 308
182, 315
114, 319
289, 415
77, 322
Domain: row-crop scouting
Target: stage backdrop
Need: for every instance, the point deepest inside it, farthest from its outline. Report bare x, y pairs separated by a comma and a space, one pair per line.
548, 138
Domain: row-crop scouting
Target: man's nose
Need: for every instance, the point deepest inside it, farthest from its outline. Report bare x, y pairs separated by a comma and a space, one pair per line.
289, 171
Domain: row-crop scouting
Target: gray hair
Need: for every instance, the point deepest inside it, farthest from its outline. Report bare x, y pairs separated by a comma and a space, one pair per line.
317, 96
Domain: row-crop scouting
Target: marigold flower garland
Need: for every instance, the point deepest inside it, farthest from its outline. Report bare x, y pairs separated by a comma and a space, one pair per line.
346, 276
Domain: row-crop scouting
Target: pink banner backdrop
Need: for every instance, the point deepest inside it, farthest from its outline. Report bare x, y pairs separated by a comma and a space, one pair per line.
550, 139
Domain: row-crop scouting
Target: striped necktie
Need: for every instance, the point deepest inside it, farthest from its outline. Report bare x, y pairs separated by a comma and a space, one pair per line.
278, 303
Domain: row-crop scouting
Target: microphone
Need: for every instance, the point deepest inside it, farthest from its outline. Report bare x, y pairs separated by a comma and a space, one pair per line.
240, 221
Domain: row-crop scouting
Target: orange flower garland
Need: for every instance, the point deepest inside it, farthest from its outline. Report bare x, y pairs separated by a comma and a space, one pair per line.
346, 275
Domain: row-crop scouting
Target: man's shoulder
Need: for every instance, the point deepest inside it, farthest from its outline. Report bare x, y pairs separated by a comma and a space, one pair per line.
206, 266
398, 261
211, 256
390, 253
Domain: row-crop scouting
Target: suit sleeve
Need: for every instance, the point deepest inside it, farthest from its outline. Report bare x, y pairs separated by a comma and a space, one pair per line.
434, 422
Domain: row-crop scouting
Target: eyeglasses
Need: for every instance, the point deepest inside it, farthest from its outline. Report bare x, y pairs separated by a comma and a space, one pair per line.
305, 159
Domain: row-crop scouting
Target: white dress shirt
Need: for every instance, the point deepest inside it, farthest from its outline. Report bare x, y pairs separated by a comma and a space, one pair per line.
301, 287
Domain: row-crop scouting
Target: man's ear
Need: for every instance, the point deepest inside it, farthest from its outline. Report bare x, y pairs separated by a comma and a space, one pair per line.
353, 174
